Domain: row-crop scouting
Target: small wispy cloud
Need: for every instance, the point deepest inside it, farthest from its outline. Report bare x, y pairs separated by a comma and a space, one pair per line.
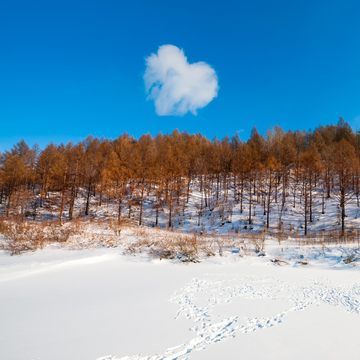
177, 86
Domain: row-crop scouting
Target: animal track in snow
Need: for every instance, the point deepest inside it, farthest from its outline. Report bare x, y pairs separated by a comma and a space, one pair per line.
199, 300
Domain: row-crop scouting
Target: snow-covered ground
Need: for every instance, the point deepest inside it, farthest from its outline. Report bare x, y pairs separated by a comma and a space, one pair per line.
104, 304
142, 294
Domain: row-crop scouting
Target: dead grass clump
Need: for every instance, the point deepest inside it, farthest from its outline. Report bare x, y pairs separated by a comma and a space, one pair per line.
350, 256
138, 246
77, 226
115, 227
58, 233
110, 242
4, 226
302, 262
179, 246
172, 245
187, 247
91, 241
231, 242
245, 250
140, 232
279, 262
19, 237
280, 235
257, 240
220, 245
104, 241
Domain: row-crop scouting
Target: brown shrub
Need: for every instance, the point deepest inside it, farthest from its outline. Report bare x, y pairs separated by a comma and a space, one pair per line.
19, 237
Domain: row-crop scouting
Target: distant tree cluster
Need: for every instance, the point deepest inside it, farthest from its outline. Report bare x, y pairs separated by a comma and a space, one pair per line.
302, 168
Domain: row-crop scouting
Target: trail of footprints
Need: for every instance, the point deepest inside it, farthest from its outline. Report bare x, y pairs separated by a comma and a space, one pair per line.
222, 289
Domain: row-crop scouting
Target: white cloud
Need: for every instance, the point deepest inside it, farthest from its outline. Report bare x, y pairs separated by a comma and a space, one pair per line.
177, 86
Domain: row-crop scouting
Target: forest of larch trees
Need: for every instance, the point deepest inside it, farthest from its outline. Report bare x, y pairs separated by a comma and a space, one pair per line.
301, 169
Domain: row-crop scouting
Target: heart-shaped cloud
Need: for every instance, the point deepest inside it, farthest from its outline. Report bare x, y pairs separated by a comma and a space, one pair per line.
177, 86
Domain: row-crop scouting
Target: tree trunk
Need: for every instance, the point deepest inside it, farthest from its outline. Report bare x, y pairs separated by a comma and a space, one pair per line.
88, 200
141, 202
250, 201
241, 195
342, 204
119, 210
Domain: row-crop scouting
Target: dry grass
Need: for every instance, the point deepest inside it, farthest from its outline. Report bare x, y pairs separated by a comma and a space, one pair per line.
164, 244
115, 227
140, 232
192, 247
92, 241
58, 233
280, 235
77, 226
350, 256
257, 240
325, 238
17, 237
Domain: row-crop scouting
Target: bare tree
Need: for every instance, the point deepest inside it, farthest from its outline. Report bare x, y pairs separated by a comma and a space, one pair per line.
345, 164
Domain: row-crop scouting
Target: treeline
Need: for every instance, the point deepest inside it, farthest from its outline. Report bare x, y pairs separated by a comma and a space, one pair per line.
301, 168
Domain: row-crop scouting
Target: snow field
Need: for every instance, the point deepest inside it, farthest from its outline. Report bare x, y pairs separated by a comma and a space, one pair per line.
101, 304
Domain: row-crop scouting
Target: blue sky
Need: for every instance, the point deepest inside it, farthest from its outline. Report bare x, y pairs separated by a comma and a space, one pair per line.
73, 68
